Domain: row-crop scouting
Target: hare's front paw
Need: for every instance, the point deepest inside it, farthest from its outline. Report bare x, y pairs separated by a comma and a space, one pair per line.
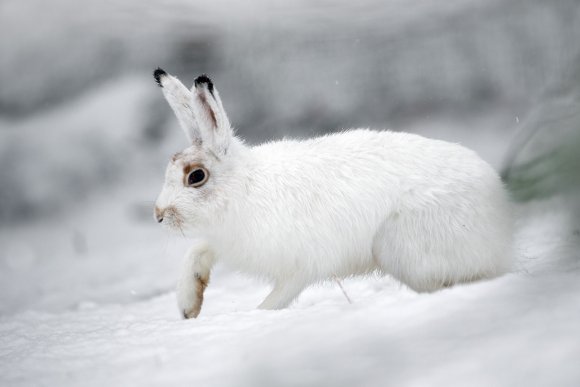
190, 296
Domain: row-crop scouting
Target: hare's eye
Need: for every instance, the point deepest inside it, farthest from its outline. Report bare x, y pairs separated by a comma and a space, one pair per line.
197, 177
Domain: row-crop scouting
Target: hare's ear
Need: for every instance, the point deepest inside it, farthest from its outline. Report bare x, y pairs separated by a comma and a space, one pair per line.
180, 100
211, 117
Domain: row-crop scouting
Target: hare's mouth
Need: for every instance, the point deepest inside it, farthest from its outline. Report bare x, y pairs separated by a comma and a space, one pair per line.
175, 223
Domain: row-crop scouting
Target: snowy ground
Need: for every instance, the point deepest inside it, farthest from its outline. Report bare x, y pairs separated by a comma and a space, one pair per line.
87, 299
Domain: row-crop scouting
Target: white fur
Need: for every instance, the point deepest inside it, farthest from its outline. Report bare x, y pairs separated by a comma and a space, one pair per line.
430, 213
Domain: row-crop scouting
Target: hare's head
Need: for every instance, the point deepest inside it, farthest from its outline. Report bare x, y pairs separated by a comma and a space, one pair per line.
197, 179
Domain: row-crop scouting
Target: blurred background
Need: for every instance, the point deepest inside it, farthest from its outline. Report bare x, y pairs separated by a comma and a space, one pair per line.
85, 133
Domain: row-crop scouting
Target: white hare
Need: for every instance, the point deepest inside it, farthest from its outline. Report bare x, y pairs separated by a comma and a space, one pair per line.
427, 212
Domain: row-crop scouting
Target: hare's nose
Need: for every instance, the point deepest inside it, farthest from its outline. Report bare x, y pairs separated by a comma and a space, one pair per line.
159, 214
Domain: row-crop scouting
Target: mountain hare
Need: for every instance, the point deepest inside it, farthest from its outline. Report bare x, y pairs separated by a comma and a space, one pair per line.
296, 212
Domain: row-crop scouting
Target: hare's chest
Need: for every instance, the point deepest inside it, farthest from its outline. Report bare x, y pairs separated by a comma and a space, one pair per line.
255, 255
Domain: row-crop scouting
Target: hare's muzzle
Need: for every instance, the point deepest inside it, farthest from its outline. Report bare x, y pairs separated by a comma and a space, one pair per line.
169, 216
158, 214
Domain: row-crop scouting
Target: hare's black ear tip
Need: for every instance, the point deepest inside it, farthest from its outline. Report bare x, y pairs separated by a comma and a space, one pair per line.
203, 79
157, 74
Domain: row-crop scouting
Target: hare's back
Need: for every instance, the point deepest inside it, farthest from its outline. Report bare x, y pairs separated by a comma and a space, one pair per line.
397, 158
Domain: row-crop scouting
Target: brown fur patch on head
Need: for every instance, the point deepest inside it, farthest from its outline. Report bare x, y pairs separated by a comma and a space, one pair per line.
176, 156
171, 211
210, 112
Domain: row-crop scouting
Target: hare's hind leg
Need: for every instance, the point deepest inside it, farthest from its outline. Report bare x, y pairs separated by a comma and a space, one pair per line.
426, 251
282, 295
408, 249
194, 279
